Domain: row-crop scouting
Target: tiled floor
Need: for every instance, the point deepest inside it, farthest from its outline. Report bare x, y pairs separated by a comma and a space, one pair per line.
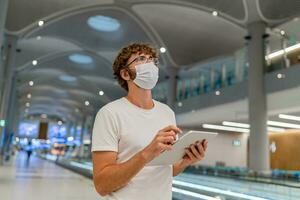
42, 180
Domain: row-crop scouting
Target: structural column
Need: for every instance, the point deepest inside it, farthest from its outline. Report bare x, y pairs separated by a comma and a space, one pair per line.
3, 13
81, 148
172, 86
259, 146
8, 98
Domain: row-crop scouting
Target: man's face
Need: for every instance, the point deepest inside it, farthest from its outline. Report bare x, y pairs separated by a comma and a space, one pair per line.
136, 59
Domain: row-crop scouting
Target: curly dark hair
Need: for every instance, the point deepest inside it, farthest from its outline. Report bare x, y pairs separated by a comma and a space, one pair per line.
125, 53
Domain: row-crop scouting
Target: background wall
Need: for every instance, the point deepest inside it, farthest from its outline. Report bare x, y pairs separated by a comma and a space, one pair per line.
287, 153
221, 149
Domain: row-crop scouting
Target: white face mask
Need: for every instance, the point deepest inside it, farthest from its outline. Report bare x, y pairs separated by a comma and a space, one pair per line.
146, 75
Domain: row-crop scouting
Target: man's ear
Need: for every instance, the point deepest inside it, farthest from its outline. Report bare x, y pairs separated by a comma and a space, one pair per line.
125, 75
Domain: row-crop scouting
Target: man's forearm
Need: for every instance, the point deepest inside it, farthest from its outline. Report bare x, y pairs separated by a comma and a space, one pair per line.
178, 168
114, 177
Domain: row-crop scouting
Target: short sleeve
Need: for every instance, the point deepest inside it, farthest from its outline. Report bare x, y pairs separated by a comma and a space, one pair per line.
105, 132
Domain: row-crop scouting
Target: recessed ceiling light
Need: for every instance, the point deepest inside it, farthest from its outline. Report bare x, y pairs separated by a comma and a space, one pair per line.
80, 58
28, 96
34, 62
41, 23
163, 50
27, 104
87, 103
280, 76
218, 93
215, 13
104, 23
67, 78
59, 122
282, 32
38, 37
179, 104
31, 83
101, 93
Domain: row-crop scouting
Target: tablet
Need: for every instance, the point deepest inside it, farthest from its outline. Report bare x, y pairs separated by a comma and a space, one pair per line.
176, 154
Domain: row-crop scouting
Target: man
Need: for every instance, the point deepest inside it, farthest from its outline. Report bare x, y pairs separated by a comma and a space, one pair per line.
131, 131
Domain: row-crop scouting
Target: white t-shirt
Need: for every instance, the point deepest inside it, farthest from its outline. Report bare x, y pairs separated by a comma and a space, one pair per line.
125, 128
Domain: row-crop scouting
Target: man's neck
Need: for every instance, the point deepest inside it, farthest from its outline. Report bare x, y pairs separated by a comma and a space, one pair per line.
141, 98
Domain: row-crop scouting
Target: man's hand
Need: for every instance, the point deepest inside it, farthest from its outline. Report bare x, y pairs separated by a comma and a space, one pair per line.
163, 140
194, 153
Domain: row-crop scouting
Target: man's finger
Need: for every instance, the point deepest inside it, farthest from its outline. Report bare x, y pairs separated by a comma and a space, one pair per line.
205, 145
201, 149
188, 152
168, 133
166, 147
195, 152
172, 127
167, 139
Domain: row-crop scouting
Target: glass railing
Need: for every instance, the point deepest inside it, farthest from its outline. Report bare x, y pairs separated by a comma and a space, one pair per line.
227, 71
207, 77
215, 182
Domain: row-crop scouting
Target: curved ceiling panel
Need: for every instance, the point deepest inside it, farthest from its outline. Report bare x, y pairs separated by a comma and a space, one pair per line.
274, 10
192, 35
233, 8
80, 31
34, 48
18, 11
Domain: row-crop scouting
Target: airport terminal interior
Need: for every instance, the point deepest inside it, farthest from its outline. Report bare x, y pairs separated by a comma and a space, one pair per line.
225, 66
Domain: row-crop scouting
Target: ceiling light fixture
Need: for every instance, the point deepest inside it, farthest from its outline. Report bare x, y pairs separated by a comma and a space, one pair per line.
67, 78
162, 50
215, 13
101, 93
247, 126
80, 58
225, 128
34, 62
236, 124
41, 23
281, 52
283, 124
103, 23
290, 117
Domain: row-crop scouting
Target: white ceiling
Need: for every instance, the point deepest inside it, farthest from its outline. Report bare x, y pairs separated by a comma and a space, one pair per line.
186, 28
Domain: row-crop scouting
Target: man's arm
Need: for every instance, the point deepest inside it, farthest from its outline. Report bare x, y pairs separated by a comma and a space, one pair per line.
178, 168
110, 176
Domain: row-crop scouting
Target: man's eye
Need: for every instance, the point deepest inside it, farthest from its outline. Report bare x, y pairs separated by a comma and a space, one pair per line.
142, 58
